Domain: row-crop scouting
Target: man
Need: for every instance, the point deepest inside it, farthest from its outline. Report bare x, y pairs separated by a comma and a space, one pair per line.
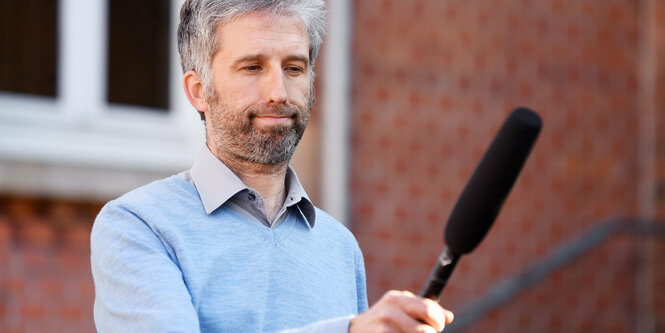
234, 244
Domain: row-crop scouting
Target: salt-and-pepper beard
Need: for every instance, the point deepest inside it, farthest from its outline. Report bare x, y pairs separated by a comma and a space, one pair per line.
235, 133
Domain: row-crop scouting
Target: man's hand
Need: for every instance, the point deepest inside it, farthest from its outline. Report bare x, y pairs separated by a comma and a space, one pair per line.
402, 311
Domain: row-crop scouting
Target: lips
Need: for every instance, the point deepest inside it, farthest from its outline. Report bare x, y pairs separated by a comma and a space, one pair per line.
281, 111
274, 116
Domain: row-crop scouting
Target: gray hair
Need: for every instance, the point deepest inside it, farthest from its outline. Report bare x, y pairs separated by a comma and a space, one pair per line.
199, 19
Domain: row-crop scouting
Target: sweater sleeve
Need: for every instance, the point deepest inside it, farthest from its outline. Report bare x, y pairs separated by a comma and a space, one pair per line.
334, 325
138, 286
361, 284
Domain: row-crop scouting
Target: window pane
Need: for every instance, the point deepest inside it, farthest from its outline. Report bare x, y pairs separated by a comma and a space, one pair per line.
28, 39
138, 67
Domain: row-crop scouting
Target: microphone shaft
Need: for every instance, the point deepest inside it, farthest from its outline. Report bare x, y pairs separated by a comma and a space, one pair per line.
440, 274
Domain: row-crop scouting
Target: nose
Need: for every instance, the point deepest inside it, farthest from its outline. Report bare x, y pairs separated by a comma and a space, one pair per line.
276, 87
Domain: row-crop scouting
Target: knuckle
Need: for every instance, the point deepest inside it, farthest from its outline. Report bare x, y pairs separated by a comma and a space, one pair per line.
391, 296
433, 309
426, 308
383, 328
384, 320
393, 293
386, 315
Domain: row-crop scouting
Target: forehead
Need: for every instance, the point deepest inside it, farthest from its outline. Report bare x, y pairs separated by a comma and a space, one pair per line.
260, 30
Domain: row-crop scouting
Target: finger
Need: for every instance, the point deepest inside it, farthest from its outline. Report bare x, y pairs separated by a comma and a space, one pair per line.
449, 316
426, 310
398, 293
405, 323
407, 293
418, 308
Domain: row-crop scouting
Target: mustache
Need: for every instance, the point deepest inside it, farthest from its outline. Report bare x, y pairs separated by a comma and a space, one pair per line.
277, 110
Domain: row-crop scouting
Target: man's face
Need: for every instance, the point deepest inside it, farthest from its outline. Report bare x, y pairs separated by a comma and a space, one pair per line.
261, 96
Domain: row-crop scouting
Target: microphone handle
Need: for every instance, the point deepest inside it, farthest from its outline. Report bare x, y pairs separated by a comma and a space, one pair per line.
440, 274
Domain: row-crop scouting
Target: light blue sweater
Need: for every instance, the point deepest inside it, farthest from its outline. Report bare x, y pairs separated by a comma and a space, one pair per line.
161, 264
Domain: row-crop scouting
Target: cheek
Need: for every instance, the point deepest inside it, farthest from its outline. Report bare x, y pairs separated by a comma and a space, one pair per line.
300, 92
235, 99
237, 90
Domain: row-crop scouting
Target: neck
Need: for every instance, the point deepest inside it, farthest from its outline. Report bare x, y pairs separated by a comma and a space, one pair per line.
267, 179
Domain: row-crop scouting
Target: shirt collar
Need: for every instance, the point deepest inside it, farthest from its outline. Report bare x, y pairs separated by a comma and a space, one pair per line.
216, 184
297, 196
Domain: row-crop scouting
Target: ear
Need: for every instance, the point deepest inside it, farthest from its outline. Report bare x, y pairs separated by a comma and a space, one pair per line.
195, 91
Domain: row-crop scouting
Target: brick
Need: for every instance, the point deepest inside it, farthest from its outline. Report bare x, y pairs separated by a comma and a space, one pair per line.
71, 312
37, 233
5, 240
20, 208
32, 312
77, 238
14, 285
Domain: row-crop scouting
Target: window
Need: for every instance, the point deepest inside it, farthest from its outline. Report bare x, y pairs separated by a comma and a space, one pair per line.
105, 67
28, 39
138, 57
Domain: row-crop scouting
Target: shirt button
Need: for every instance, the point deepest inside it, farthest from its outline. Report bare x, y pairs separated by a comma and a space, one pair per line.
251, 197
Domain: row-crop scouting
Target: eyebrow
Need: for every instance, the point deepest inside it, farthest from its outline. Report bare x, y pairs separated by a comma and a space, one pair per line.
297, 57
262, 57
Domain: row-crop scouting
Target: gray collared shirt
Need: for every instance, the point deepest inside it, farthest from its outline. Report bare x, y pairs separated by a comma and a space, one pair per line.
220, 186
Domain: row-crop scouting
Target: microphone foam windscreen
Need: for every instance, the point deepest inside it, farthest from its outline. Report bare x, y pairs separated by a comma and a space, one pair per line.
482, 198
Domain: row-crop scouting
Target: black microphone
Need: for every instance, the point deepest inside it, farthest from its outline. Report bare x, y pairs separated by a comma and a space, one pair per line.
482, 198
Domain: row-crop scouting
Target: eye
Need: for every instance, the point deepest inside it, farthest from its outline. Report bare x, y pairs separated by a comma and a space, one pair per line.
294, 70
252, 68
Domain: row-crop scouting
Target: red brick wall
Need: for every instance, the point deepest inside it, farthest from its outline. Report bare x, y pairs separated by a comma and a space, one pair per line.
45, 280
658, 283
579, 298
433, 81
658, 250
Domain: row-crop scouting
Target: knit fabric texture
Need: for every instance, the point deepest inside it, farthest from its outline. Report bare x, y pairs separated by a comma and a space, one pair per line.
161, 264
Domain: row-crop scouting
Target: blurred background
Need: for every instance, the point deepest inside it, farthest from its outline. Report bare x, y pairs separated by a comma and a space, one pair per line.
410, 94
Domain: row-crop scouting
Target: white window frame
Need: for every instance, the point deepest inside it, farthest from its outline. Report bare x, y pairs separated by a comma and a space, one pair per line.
80, 129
